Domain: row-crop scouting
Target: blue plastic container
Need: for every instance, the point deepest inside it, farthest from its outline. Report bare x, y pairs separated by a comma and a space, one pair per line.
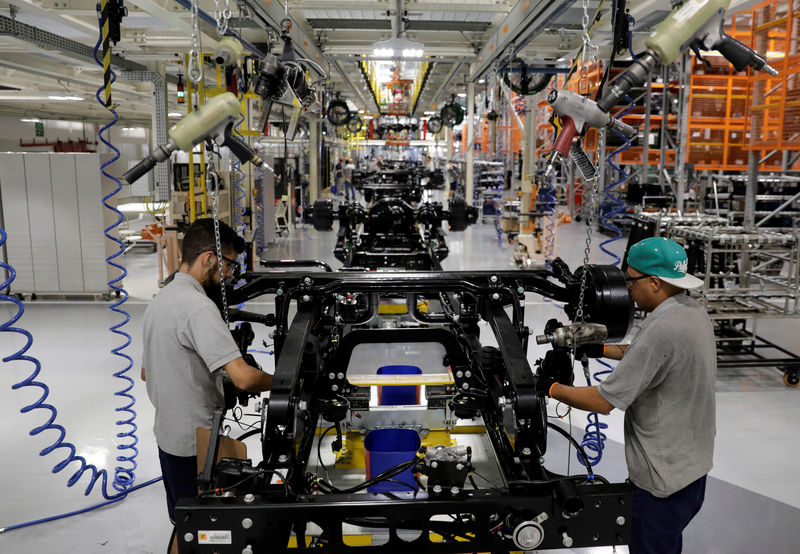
386, 448
397, 395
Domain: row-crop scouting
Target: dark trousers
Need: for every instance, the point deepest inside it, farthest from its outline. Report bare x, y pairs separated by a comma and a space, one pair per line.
658, 523
180, 478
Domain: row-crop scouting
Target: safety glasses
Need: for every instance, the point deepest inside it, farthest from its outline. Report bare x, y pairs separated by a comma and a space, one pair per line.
233, 264
629, 280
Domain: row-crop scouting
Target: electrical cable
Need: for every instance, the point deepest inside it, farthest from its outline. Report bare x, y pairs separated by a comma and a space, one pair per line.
391, 472
581, 453
319, 450
268, 352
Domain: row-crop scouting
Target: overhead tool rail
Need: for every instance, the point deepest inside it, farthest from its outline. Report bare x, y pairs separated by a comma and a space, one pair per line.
272, 14
527, 19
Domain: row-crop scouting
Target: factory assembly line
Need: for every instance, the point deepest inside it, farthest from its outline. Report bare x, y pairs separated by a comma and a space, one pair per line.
408, 409
260, 505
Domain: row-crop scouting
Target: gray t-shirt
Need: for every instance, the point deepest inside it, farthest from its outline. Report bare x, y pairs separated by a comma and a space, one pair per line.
665, 385
185, 342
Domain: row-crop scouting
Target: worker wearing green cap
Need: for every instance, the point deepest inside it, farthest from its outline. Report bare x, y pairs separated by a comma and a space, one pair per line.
665, 384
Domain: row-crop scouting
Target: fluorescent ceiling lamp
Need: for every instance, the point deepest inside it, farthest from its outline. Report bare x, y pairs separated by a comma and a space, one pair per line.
175, 114
31, 120
397, 47
21, 98
64, 98
462, 94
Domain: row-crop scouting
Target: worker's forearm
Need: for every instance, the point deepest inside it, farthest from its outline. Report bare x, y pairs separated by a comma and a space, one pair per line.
143, 379
583, 398
261, 381
614, 351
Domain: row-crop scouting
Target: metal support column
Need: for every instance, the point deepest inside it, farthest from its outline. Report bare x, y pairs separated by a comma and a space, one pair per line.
448, 157
314, 155
529, 144
683, 131
603, 166
470, 151
646, 133
665, 109
751, 189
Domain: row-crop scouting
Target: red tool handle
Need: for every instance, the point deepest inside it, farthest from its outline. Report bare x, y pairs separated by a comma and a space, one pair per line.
564, 138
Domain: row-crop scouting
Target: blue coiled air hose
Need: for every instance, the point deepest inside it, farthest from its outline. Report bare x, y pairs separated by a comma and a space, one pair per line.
498, 215
239, 193
594, 439
124, 474
50, 410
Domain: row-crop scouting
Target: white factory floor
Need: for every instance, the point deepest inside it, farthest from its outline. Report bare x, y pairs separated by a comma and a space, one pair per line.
753, 495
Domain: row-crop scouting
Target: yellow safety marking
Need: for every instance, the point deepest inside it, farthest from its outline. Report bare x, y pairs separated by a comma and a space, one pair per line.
392, 309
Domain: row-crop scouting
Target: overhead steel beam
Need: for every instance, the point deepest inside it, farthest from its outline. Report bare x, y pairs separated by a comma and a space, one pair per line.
449, 7
527, 19
57, 75
437, 53
43, 39
385, 25
172, 18
346, 76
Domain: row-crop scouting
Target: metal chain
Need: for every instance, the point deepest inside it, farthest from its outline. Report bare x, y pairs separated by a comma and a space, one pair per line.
215, 214
583, 82
195, 71
222, 15
580, 316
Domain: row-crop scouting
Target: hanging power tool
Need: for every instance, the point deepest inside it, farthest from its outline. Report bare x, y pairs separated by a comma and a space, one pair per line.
214, 122
576, 334
576, 111
276, 74
228, 52
696, 24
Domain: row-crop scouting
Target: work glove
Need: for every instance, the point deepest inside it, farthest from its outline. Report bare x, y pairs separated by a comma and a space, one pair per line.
555, 368
591, 351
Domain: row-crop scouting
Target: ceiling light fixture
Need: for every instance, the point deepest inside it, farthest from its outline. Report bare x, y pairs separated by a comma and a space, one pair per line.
64, 98
22, 98
397, 47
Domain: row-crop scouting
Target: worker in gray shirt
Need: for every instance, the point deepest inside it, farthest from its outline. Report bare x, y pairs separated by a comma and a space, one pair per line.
186, 347
665, 384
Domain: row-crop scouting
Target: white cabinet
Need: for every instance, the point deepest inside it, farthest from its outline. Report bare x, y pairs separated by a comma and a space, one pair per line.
52, 212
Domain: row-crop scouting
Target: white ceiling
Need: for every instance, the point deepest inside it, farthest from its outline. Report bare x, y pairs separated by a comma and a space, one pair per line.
156, 34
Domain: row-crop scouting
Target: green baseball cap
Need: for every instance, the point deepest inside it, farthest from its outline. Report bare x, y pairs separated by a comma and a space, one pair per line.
662, 258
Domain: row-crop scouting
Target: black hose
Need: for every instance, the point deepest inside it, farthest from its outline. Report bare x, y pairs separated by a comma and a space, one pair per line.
578, 447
